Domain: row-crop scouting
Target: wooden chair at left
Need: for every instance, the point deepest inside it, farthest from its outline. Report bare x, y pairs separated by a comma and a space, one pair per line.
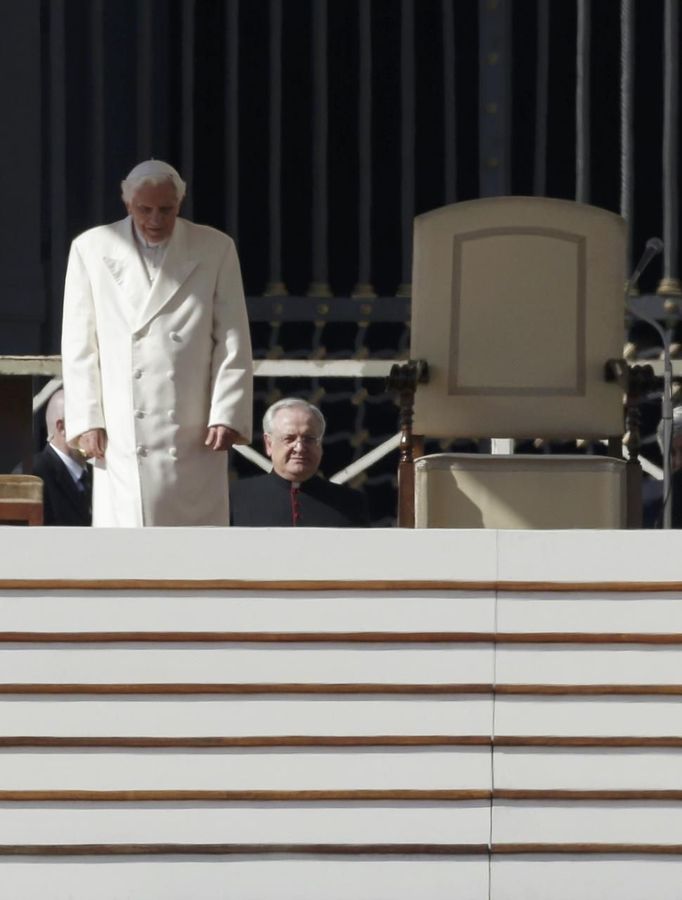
21, 500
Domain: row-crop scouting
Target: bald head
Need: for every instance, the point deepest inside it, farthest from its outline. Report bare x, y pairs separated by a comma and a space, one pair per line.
56, 431
54, 414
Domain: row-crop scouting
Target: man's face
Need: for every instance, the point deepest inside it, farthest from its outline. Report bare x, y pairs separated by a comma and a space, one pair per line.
154, 209
295, 445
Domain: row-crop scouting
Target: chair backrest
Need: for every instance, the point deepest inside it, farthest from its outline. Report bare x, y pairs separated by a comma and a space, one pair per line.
517, 304
21, 499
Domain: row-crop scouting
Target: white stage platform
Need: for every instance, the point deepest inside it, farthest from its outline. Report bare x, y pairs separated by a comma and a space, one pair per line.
243, 713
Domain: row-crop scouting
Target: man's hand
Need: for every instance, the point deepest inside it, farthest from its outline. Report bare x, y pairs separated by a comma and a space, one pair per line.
92, 444
220, 437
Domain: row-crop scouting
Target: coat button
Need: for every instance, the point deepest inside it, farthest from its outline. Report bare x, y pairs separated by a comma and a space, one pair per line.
172, 451
174, 336
170, 375
141, 451
171, 415
139, 414
137, 373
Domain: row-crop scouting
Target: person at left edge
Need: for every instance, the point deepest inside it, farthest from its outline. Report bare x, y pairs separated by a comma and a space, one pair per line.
156, 359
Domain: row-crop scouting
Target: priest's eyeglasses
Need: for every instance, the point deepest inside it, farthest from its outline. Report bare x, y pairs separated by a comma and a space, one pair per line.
306, 440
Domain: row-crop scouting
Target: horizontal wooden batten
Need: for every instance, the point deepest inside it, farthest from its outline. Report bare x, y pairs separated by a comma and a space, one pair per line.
589, 690
171, 688
380, 740
195, 689
252, 796
341, 637
618, 742
433, 740
243, 849
603, 796
279, 586
578, 849
547, 795
244, 637
539, 849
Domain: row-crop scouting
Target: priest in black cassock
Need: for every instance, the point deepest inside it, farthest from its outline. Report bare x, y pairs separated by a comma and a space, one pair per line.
294, 494
67, 483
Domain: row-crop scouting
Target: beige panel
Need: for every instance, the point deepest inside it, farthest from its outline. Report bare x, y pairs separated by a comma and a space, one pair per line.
517, 304
475, 491
501, 368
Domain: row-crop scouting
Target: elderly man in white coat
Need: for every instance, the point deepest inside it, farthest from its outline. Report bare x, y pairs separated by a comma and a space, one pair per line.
156, 359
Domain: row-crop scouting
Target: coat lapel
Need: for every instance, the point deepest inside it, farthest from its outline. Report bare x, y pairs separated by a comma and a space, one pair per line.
175, 270
126, 269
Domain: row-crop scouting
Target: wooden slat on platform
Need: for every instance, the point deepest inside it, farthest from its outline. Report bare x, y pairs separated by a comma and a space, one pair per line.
243, 849
345, 796
251, 796
506, 849
235, 584
265, 688
186, 688
340, 637
392, 740
380, 740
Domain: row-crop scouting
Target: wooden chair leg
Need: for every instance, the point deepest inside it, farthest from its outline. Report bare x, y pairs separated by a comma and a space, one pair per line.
404, 380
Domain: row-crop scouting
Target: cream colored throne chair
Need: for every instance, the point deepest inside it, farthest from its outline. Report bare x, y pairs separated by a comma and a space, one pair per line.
517, 304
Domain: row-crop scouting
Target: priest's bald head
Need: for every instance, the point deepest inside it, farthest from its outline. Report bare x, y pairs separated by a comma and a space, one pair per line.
152, 193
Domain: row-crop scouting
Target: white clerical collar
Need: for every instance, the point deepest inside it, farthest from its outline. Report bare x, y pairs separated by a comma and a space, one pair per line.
75, 468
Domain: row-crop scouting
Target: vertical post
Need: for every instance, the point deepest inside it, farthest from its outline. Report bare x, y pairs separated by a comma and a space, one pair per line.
232, 118
275, 286
145, 50
407, 132
495, 74
627, 161
670, 284
541, 101
363, 287
187, 146
582, 105
57, 168
319, 286
97, 97
449, 103
404, 380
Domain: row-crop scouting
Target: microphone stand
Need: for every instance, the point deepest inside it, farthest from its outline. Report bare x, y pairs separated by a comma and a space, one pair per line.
653, 248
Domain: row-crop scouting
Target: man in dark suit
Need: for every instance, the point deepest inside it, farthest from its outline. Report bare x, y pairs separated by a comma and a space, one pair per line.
67, 486
293, 494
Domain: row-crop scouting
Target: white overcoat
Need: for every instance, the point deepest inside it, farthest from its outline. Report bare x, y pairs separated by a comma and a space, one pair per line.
155, 366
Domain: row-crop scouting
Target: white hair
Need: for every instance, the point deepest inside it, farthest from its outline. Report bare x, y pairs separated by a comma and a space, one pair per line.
289, 403
151, 171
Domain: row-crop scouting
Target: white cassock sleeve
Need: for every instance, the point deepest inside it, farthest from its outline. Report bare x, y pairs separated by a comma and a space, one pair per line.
80, 352
231, 364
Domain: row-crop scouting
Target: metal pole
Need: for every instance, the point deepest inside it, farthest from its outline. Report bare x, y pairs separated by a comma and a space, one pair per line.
449, 103
232, 118
670, 283
407, 132
627, 162
363, 288
319, 286
275, 286
541, 101
582, 105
